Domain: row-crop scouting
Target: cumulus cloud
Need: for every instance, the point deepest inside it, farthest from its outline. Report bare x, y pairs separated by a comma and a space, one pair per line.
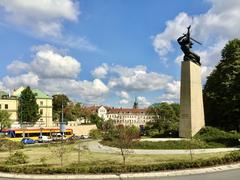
143, 102
137, 79
49, 64
43, 17
53, 72
17, 67
123, 94
213, 28
29, 79
101, 71
88, 91
123, 101
172, 92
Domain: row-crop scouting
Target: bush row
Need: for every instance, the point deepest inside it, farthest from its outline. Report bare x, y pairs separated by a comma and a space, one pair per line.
75, 168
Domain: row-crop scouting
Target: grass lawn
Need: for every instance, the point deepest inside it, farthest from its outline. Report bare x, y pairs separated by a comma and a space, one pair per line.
36, 153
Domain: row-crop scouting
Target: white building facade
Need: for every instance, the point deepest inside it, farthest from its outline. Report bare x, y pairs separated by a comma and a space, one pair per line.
125, 116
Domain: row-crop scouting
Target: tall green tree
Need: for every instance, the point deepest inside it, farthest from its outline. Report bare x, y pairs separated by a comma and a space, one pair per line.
5, 121
222, 90
166, 117
28, 107
58, 101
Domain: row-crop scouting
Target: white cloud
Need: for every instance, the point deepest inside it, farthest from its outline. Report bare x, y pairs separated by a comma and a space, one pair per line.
101, 71
17, 67
123, 94
137, 79
123, 101
162, 41
53, 73
49, 64
143, 102
172, 92
43, 17
88, 91
214, 27
29, 79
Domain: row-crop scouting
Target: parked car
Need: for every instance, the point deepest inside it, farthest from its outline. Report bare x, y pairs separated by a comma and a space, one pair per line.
58, 137
27, 141
43, 139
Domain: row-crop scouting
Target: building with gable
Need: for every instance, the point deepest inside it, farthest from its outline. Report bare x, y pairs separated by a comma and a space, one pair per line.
10, 104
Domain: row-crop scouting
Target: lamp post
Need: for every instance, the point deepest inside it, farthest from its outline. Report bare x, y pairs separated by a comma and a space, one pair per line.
62, 124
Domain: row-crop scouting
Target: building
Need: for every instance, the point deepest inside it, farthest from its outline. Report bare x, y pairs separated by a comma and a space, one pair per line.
126, 116
10, 104
45, 106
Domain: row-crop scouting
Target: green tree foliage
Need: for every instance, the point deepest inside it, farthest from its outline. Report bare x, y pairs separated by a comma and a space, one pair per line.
58, 101
95, 119
108, 129
28, 107
5, 121
222, 90
166, 117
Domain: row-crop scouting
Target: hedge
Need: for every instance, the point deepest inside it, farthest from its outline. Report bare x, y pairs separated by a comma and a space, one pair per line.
77, 169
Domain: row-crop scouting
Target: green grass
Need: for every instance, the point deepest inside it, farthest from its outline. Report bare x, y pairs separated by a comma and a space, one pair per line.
35, 153
207, 138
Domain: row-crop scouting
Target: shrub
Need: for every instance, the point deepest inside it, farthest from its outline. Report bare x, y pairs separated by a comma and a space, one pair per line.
8, 145
95, 134
17, 158
218, 138
152, 132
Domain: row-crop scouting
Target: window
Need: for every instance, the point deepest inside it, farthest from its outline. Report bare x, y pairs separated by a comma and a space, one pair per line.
41, 103
41, 111
6, 106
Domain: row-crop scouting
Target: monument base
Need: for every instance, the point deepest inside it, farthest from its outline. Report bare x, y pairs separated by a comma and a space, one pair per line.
191, 100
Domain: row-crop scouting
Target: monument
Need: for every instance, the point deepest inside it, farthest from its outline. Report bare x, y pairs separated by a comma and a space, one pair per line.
191, 100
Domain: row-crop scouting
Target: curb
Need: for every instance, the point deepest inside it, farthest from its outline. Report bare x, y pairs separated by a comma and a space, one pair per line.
126, 175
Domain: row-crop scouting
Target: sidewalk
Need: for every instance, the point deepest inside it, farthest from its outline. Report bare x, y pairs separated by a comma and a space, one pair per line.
127, 175
95, 146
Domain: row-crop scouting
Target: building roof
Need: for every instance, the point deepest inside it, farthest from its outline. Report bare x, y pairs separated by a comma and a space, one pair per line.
112, 110
38, 93
126, 110
3, 93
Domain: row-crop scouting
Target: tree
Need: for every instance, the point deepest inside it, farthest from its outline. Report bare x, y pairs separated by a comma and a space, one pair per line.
95, 119
166, 117
28, 107
221, 92
5, 121
59, 100
124, 136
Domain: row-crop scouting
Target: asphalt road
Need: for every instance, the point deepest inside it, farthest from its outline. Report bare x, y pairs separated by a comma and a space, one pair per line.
224, 175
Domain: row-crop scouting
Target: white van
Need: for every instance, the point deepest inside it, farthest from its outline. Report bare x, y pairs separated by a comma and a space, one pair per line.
43, 139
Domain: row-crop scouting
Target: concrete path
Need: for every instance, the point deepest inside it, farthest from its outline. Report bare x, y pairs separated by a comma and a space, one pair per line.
95, 146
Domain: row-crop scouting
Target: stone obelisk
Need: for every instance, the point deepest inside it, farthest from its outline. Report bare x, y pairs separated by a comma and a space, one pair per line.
191, 100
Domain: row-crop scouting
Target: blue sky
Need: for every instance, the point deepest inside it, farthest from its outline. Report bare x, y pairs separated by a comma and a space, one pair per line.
109, 51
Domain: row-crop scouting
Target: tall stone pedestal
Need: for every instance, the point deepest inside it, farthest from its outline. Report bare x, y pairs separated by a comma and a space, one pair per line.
191, 101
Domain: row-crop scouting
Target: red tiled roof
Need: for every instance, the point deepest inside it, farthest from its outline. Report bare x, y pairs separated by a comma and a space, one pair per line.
126, 110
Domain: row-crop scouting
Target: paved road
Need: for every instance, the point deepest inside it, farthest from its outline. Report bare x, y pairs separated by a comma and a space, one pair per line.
223, 175
95, 146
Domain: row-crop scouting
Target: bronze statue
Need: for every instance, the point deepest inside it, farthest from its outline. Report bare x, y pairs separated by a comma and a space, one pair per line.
186, 44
